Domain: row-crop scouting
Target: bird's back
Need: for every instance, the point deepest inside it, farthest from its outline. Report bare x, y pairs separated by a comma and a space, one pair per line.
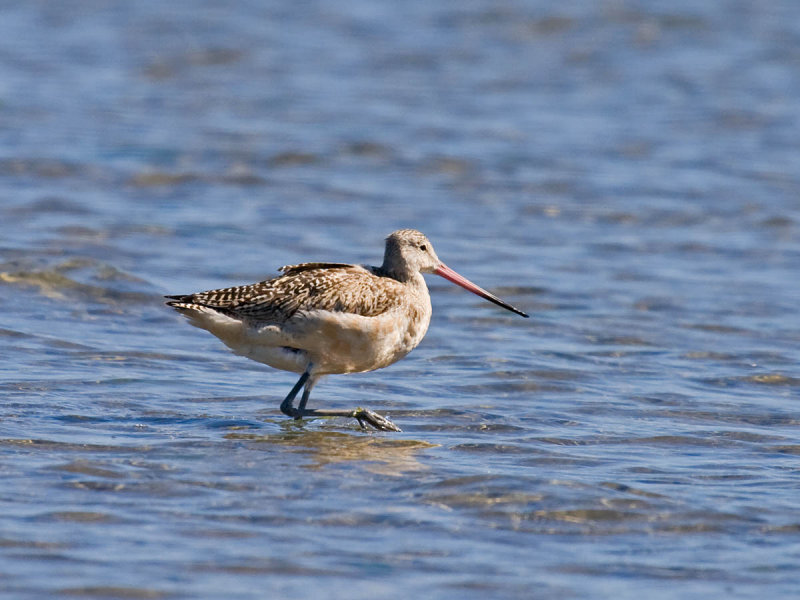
332, 287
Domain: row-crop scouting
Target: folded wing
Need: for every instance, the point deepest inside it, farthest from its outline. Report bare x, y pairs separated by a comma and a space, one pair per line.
305, 287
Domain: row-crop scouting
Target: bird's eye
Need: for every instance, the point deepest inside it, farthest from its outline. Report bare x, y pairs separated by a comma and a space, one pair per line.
424, 248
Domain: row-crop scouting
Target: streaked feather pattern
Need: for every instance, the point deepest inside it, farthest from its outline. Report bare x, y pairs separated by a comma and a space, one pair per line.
334, 287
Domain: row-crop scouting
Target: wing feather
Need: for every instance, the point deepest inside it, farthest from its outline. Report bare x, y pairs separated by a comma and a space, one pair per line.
334, 287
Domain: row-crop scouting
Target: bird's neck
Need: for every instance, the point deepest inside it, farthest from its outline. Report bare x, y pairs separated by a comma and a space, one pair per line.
403, 275
399, 272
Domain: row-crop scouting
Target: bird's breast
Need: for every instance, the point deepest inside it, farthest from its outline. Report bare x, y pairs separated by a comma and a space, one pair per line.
344, 342
348, 343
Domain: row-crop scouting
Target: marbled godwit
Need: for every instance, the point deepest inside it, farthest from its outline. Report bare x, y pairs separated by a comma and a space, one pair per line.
323, 318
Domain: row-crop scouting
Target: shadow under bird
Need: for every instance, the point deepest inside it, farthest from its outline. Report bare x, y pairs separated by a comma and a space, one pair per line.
324, 318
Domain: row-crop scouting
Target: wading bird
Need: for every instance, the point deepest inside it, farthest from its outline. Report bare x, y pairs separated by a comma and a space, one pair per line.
324, 318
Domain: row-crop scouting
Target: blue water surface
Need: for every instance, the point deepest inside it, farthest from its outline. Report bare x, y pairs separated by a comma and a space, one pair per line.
625, 171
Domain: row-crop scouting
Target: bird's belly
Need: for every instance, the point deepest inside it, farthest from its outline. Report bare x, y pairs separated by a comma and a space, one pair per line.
285, 358
267, 344
334, 342
348, 343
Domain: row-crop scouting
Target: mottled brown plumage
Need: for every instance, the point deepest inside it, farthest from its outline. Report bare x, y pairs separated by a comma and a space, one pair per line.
334, 287
323, 318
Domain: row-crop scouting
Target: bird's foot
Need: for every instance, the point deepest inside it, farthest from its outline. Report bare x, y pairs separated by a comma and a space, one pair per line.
365, 415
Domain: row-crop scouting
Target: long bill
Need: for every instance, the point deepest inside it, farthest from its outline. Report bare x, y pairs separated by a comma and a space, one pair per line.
444, 271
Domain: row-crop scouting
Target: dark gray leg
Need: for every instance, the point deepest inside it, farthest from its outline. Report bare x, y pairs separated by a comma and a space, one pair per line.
286, 405
362, 415
301, 406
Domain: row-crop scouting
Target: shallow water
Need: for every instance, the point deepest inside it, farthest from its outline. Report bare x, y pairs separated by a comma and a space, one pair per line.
626, 172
